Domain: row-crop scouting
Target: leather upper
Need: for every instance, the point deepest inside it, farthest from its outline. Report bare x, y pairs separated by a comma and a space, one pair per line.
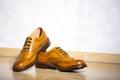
58, 57
33, 44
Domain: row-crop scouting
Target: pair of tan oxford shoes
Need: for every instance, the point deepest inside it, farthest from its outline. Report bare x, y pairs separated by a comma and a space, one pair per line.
34, 53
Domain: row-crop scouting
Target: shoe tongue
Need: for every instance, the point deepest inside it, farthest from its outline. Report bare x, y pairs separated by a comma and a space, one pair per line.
31, 37
54, 49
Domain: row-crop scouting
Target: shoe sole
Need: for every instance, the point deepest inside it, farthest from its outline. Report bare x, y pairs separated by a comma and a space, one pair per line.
42, 48
51, 66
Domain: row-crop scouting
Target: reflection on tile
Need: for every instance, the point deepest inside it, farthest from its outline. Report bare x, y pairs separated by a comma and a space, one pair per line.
22, 76
94, 71
49, 74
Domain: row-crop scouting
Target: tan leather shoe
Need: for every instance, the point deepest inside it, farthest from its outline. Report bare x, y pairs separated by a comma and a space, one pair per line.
56, 58
37, 41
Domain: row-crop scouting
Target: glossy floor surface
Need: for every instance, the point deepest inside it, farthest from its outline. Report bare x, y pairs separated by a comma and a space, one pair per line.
94, 71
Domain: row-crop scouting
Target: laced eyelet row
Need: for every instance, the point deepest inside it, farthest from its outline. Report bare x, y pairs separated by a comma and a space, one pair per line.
27, 43
61, 51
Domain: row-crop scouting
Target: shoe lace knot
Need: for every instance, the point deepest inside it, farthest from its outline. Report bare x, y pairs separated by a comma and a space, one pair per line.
61, 51
27, 43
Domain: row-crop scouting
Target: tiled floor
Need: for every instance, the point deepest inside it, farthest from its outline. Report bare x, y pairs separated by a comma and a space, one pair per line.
94, 71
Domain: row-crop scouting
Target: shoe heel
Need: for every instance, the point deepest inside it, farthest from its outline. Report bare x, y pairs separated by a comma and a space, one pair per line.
46, 45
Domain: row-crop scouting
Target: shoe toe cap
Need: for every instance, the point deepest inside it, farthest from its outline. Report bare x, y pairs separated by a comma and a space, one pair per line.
18, 66
81, 63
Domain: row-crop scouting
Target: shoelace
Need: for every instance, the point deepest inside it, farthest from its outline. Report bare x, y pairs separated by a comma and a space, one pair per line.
27, 43
62, 51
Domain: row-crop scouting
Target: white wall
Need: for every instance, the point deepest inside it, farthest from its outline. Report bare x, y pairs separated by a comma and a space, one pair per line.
74, 25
